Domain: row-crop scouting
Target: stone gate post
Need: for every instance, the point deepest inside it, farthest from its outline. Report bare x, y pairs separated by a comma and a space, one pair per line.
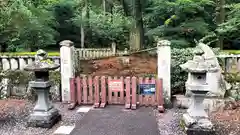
67, 57
164, 66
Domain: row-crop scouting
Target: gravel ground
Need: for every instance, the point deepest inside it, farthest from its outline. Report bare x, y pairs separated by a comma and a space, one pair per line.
16, 124
227, 121
168, 122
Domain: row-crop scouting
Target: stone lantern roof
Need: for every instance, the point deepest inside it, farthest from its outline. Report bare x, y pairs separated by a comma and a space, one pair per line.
199, 64
41, 63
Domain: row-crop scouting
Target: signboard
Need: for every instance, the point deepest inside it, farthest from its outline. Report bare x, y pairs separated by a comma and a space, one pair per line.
115, 85
147, 89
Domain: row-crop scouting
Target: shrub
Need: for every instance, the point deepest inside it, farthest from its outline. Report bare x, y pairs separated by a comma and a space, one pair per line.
178, 76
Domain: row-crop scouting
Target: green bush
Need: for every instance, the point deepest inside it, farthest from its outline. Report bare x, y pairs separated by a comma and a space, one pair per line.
178, 76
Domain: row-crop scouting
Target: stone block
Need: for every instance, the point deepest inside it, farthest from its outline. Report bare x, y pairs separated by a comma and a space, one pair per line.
195, 131
18, 90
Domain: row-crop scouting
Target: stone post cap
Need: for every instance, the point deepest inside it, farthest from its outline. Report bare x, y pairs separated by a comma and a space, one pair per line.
163, 43
67, 43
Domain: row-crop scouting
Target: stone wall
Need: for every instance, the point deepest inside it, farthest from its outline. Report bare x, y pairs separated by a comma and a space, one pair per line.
19, 62
15, 83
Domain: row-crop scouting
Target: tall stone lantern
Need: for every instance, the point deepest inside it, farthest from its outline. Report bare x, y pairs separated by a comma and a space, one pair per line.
44, 114
196, 120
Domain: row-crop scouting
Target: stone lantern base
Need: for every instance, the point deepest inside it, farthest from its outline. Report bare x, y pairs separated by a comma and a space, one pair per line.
44, 119
44, 114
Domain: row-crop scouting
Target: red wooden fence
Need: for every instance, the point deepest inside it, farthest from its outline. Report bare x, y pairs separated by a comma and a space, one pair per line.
97, 91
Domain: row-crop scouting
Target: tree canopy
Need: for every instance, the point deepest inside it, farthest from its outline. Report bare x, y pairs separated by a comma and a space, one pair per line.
32, 24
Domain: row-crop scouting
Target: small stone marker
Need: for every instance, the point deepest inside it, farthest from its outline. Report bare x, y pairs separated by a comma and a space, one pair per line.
44, 114
196, 120
84, 109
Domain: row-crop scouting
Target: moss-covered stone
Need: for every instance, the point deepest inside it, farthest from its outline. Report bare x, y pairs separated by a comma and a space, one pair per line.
182, 125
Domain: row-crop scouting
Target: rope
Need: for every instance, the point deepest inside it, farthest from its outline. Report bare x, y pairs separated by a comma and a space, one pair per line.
145, 50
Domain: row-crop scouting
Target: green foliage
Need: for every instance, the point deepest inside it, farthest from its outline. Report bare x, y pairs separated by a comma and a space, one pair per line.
178, 76
180, 21
105, 28
231, 28
32, 24
24, 25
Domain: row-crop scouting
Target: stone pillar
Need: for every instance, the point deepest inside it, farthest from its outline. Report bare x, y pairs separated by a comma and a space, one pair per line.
114, 46
14, 63
164, 66
6, 63
67, 57
22, 63
30, 60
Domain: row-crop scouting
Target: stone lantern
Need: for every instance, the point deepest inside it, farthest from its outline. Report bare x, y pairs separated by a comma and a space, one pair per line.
196, 120
44, 114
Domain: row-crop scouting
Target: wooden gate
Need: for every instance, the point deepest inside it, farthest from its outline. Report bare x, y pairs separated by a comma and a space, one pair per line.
100, 91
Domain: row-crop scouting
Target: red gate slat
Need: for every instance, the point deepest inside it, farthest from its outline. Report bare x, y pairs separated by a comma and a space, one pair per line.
134, 93
115, 97
146, 97
109, 91
140, 97
73, 93
122, 92
90, 84
152, 100
127, 98
103, 92
97, 93
79, 91
160, 95
85, 93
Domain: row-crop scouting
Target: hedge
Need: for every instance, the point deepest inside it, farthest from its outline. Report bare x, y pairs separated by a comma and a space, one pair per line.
230, 51
27, 54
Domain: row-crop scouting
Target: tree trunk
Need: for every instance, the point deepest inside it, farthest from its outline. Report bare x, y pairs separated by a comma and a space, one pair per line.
82, 32
104, 6
137, 33
220, 18
125, 7
84, 17
88, 33
82, 36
